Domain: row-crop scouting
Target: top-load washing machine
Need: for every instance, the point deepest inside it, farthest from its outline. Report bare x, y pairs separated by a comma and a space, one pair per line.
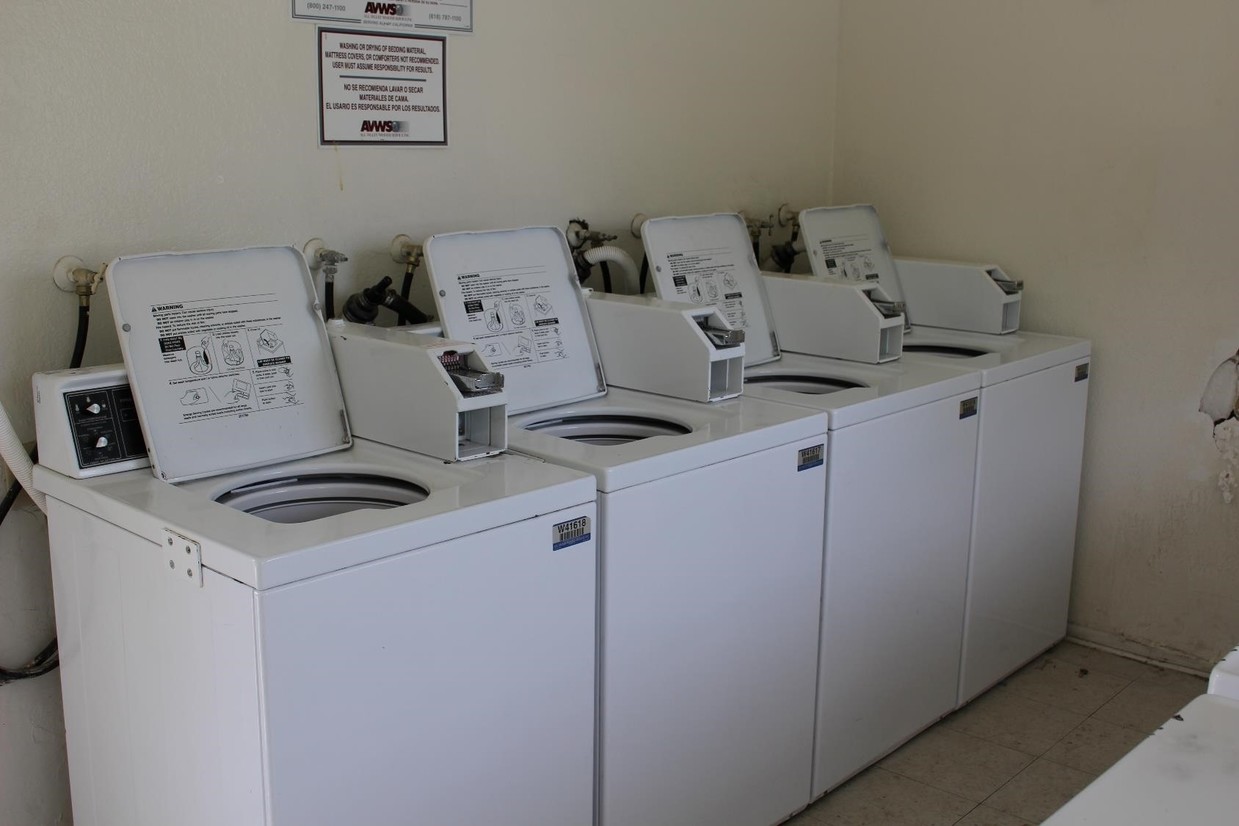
902, 452
284, 626
1184, 772
710, 531
1224, 680
1034, 397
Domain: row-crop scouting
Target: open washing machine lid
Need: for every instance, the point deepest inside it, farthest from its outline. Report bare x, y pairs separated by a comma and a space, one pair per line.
228, 359
514, 294
708, 259
848, 242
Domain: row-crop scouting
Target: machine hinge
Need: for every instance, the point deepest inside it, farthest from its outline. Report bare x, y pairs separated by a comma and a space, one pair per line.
183, 557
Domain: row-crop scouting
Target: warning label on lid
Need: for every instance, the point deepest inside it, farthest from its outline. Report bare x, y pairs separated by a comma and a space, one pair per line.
511, 317
225, 357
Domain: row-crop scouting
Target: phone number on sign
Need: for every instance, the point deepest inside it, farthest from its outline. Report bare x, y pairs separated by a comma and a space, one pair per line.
326, 6
447, 18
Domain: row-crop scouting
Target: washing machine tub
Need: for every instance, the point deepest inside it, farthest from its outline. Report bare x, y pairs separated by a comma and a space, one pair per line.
295, 499
607, 429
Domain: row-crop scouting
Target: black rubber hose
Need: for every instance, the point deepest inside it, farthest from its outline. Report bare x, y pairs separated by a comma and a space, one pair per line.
606, 276
79, 342
645, 274
407, 287
408, 313
329, 298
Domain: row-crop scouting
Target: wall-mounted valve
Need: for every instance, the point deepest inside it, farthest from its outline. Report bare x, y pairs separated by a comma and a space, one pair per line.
71, 275
404, 251
318, 257
787, 217
590, 247
784, 255
579, 234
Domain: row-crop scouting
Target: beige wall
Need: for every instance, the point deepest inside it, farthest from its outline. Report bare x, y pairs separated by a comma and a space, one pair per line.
1091, 148
134, 125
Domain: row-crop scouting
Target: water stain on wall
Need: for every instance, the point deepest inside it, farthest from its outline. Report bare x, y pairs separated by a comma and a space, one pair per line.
1220, 402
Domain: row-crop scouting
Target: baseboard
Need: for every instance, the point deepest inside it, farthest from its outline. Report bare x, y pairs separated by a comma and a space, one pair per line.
1142, 652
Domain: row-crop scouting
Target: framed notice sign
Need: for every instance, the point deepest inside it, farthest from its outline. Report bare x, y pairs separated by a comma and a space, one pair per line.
382, 88
406, 16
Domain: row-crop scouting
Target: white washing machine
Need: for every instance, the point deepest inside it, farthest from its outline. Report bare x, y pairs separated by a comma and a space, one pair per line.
1034, 397
314, 630
1225, 677
710, 530
1183, 773
900, 477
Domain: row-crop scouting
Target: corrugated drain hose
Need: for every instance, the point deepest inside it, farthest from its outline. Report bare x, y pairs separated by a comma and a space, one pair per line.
22, 465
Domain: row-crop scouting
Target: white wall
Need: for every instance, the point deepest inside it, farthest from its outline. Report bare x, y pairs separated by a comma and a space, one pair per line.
1091, 148
134, 126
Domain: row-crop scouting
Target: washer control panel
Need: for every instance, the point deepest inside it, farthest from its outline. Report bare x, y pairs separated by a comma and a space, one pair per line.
87, 422
104, 425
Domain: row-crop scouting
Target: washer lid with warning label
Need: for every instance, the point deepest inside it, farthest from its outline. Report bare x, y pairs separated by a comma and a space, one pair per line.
514, 294
708, 259
228, 359
848, 242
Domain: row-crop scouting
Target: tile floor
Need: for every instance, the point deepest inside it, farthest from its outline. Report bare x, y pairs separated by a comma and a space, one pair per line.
1016, 754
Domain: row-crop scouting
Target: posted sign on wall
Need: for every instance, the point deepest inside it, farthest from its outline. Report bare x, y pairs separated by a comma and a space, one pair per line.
440, 15
382, 88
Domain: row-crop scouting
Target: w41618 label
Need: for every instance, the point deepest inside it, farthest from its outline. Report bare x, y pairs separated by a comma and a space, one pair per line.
810, 457
572, 532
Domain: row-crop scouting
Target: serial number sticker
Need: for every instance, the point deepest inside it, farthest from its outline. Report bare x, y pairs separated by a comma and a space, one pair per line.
567, 534
810, 457
1082, 371
968, 408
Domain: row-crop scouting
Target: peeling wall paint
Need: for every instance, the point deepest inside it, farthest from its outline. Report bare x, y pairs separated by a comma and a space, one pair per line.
1226, 437
1220, 402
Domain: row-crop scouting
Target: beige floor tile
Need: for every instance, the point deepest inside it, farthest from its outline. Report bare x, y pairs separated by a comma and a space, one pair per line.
1012, 720
957, 763
1066, 685
985, 816
881, 797
1152, 700
1094, 746
802, 819
1040, 790
1095, 660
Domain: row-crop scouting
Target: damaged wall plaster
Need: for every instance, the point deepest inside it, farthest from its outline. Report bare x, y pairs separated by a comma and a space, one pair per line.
1220, 402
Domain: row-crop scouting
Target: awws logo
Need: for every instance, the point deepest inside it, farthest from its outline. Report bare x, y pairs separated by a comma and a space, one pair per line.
373, 127
389, 9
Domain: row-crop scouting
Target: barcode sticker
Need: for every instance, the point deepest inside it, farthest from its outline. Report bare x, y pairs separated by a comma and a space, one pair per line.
1082, 371
968, 408
810, 457
567, 534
